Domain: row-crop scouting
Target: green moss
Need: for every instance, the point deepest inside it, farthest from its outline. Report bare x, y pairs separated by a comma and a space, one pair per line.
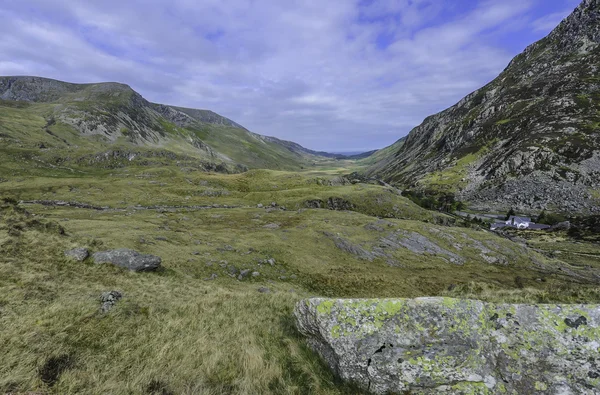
503, 122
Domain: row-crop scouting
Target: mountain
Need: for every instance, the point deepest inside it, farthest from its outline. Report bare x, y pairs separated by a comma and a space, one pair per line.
530, 139
91, 120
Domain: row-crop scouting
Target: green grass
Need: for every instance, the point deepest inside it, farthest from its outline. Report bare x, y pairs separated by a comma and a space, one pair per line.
451, 178
503, 122
174, 331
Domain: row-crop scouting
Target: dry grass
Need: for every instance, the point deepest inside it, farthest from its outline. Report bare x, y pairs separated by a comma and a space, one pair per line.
175, 333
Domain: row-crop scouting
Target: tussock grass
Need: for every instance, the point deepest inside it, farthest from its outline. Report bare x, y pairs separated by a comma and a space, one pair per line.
174, 332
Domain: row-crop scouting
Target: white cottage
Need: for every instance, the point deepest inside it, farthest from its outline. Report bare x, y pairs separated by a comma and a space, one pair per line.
519, 222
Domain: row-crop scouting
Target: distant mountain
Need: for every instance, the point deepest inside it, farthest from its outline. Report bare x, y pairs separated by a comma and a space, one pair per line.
114, 115
530, 139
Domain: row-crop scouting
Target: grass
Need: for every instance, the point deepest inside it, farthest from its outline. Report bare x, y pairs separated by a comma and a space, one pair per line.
174, 331
503, 121
179, 333
451, 178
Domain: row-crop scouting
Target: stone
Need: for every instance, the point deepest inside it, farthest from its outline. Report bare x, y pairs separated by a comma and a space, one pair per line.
243, 274
259, 205
232, 270
255, 274
271, 226
78, 254
264, 290
271, 261
161, 238
109, 299
452, 346
212, 277
128, 259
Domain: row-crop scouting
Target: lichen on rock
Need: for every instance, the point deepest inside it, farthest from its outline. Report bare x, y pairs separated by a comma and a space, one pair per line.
443, 345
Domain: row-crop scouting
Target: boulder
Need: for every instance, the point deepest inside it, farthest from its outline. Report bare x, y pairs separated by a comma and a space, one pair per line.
451, 346
128, 259
78, 254
244, 273
109, 299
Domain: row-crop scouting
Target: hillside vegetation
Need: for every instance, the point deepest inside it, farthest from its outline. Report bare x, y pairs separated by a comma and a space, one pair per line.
528, 140
196, 326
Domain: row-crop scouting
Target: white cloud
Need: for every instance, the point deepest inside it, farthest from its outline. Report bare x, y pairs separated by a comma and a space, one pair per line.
334, 74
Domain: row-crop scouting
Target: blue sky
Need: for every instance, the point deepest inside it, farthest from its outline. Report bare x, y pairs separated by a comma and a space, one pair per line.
337, 75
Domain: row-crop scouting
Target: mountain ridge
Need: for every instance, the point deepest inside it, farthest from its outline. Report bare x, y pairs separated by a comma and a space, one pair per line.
116, 113
529, 139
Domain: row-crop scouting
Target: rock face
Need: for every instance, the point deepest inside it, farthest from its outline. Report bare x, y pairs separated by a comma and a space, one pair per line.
530, 139
128, 259
78, 254
441, 345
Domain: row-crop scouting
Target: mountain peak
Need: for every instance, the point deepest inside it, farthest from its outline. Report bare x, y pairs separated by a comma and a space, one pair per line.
581, 28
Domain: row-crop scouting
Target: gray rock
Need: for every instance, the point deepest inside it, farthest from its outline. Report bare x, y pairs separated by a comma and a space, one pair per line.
451, 346
78, 254
419, 244
271, 261
225, 248
232, 270
264, 290
255, 274
244, 273
271, 226
128, 259
212, 277
161, 238
259, 205
109, 299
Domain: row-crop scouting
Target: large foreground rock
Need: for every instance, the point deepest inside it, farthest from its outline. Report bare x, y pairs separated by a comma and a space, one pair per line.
451, 346
128, 259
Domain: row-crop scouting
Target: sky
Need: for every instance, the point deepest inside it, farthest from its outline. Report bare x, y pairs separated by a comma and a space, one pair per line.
334, 75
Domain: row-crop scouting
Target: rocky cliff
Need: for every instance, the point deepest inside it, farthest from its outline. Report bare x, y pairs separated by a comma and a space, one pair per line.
451, 346
530, 139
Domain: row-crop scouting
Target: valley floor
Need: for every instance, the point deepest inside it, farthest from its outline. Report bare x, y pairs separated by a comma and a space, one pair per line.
198, 325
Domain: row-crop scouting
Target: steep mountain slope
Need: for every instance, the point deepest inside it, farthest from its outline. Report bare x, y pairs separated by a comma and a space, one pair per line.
530, 139
111, 116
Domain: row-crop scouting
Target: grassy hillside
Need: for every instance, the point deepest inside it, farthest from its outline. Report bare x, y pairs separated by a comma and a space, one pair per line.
47, 114
195, 327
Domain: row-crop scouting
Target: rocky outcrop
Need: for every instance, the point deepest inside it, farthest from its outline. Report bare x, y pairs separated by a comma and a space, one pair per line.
78, 254
529, 139
108, 300
451, 346
128, 259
